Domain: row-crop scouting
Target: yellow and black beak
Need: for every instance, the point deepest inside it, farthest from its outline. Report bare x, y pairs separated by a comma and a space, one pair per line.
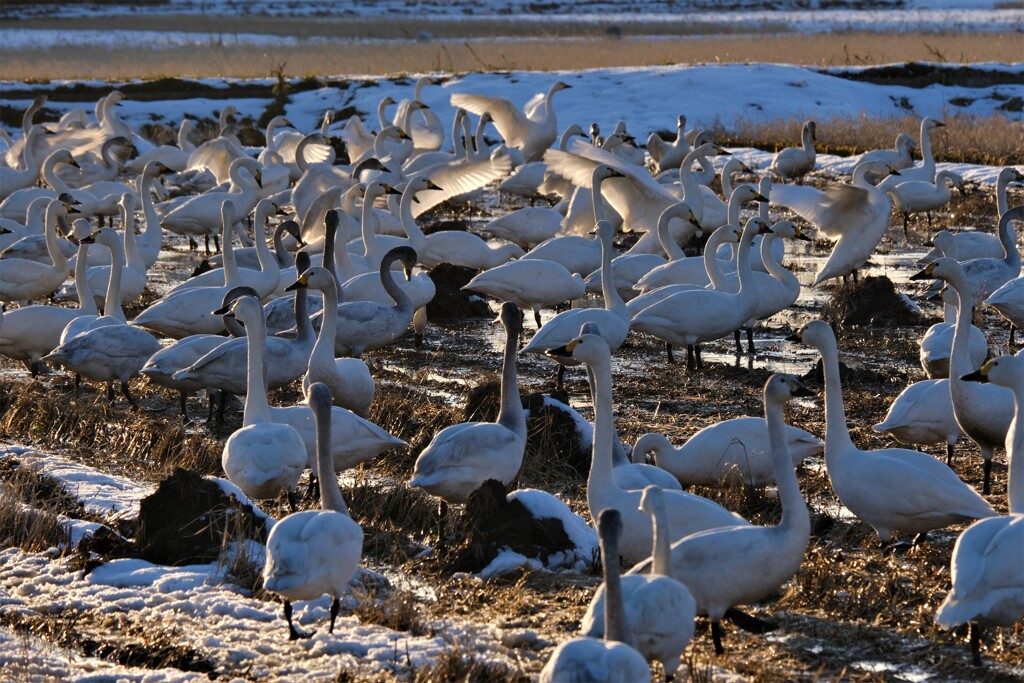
301, 283
979, 375
924, 274
562, 351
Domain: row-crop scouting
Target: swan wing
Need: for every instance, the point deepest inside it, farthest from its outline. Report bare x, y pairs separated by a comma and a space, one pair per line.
461, 179
509, 121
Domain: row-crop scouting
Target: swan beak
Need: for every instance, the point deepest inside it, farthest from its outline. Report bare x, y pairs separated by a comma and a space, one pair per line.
801, 391
760, 197
722, 151
929, 243
978, 375
90, 238
408, 273
4, 231
628, 138
693, 221
796, 336
939, 124
745, 168
765, 229
924, 274
301, 283
801, 235
616, 174
893, 171
390, 190
403, 135
562, 351
422, 106
224, 310
431, 185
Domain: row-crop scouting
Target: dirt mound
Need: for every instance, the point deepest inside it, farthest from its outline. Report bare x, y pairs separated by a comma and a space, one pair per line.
495, 523
450, 302
874, 301
188, 518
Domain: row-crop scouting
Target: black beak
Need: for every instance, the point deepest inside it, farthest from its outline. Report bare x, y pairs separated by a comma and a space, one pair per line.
975, 376
223, 310
559, 352
802, 391
795, 337
295, 285
921, 275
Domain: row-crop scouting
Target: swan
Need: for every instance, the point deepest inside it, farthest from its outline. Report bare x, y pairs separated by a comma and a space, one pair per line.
926, 169
22, 280
249, 257
527, 227
263, 457
530, 135
892, 489
425, 129
1009, 301
286, 358
459, 179
349, 379
612, 320
31, 332
915, 196
189, 311
687, 513
200, 215
461, 248
923, 414
13, 179
660, 609
937, 343
463, 456
729, 452
313, 552
742, 564
530, 283
368, 250
215, 157
31, 224
532, 179
132, 269
162, 365
112, 311
15, 206
687, 318
983, 412
987, 584
174, 157
425, 161
264, 281
669, 155
856, 213
794, 162
613, 659
986, 275
900, 157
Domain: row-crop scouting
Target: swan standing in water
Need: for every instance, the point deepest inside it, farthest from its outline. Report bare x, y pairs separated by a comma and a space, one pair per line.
613, 659
463, 456
892, 489
987, 581
313, 552
659, 608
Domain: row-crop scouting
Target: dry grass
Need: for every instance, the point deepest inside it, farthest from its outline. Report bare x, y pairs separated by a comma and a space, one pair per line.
458, 56
30, 509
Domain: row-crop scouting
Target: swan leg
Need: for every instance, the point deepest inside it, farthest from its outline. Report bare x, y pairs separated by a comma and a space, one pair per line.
691, 361
536, 316
442, 514
750, 340
221, 406
560, 379
192, 245
127, 394
78, 384
313, 488
696, 354
906, 228
716, 637
110, 391
335, 608
184, 408
293, 505
293, 633
987, 469
739, 346
668, 350
975, 643
949, 453
216, 243
1013, 329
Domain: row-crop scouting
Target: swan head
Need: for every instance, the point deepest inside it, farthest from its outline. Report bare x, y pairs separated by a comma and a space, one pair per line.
1007, 371
588, 348
245, 308
647, 444
1010, 175
816, 333
128, 201
63, 156
904, 143
651, 499
789, 230
319, 398
681, 122
757, 226
811, 129
316, 277
711, 148
560, 85
604, 231
680, 210
227, 215
511, 319
781, 387
108, 237
929, 123
378, 189
408, 257
943, 268
419, 184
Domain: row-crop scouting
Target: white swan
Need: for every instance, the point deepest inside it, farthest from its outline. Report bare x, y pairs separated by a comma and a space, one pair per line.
529, 283
793, 162
613, 659
424, 127
16, 204
669, 155
461, 248
660, 609
926, 169
742, 564
900, 157
113, 314
730, 452
915, 196
174, 157
612, 320
22, 280
527, 227
313, 552
463, 456
937, 343
132, 270
13, 179
983, 412
263, 457
533, 179
857, 213
987, 583
688, 318
923, 414
530, 135
349, 379
687, 513
892, 489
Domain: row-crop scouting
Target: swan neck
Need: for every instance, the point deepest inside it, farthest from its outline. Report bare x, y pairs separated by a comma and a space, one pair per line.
598, 200
727, 188
257, 408
323, 349
1008, 238
1002, 204
303, 325
511, 414
1015, 451
794, 509
601, 477
267, 259
112, 300
926, 147
280, 252
612, 299
960, 357
330, 494
772, 264
837, 434
743, 270
86, 301
145, 186
616, 623
387, 279
132, 257
50, 175
183, 132
662, 551
60, 263
232, 275
369, 232
417, 240
712, 264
